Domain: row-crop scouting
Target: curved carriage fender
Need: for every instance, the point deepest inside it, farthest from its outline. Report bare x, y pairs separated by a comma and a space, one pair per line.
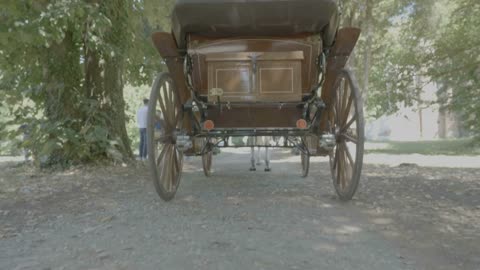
165, 44
330, 31
168, 49
337, 59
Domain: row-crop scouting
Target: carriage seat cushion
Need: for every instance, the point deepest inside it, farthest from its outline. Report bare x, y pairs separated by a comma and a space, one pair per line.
230, 18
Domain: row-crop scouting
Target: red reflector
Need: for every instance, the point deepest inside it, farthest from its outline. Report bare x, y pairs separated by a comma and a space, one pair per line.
301, 123
208, 125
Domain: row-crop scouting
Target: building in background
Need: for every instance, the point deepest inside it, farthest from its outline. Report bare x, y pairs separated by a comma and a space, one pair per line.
426, 122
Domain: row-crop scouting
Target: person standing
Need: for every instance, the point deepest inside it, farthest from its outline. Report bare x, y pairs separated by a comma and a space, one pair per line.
142, 127
25, 140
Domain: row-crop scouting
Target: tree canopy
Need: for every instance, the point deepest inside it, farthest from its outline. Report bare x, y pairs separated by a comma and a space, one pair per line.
64, 65
414, 43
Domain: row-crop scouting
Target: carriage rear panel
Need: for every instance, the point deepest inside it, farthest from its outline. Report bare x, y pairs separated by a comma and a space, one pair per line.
248, 116
256, 69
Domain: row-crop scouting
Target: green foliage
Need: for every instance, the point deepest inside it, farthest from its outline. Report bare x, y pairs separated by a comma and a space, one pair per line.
439, 147
456, 63
413, 43
63, 64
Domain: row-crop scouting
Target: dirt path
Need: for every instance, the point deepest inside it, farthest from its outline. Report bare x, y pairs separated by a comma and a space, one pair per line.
404, 217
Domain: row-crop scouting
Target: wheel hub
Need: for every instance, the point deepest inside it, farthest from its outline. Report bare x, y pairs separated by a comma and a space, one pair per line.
184, 142
327, 141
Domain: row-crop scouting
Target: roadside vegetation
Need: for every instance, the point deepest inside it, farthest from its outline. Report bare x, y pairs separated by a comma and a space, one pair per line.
79, 111
457, 147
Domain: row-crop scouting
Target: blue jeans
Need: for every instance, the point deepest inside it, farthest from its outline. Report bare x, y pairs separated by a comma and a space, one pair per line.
143, 143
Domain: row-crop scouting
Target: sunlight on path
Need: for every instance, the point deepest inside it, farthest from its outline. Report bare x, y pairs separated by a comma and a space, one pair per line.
380, 159
386, 159
11, 158
424, 160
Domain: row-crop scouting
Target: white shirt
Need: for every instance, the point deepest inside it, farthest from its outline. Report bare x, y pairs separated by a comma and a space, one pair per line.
142, 116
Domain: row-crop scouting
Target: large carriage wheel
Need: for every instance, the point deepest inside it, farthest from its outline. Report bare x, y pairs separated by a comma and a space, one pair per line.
166, 160
346, 123
207, 157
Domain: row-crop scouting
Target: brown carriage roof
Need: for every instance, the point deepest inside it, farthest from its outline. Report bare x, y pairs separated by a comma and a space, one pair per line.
229, 18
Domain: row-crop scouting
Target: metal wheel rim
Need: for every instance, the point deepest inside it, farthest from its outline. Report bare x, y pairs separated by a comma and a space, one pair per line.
166, 160
207, 163
346, 122
305, 161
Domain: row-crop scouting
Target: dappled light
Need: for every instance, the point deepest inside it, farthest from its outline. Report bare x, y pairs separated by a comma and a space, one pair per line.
240, 134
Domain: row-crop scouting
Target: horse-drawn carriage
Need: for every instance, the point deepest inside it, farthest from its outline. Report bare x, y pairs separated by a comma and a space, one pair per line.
256, 68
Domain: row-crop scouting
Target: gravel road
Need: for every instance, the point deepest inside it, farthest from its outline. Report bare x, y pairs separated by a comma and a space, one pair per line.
403, 217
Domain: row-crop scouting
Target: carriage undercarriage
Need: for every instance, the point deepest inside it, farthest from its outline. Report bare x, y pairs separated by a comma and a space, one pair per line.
291, 87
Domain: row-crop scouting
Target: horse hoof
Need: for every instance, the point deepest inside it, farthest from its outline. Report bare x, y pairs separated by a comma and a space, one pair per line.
267, 169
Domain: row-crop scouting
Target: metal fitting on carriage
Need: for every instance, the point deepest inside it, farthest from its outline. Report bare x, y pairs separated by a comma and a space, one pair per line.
184, 142
327, 141
301, 124
208, 125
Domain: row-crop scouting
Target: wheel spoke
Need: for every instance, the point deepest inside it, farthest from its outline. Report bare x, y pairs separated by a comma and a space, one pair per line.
165, 171
333, 117
350, 138
350, 122
172, 96
177, 117
173, 104
179, 165
176, 163
337, 108
175, 167
164, 111
344, 169
335, 158
164, 97
168, 105
344, 102
349, 156
339, 167
170, 174
161, 156
347, 110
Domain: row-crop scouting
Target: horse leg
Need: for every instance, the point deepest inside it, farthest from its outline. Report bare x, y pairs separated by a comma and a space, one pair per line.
259, 160
267, 160
252, 159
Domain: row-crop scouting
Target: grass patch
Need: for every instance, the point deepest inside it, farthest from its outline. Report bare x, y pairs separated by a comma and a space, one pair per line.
438, 147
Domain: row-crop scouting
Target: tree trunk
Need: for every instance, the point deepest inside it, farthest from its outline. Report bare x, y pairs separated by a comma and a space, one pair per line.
368, 48
104, 83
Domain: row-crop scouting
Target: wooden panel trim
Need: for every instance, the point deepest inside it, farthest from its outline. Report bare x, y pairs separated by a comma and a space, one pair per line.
234, 69
292, 88
260, 56
311, 46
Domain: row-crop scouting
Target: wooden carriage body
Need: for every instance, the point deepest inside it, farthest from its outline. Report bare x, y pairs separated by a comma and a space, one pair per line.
258, 68
265, 67
262, 83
